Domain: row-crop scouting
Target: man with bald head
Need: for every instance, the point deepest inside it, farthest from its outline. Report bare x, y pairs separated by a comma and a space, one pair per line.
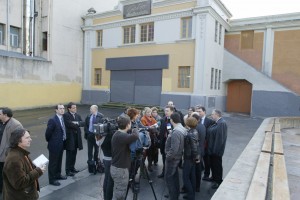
94, 117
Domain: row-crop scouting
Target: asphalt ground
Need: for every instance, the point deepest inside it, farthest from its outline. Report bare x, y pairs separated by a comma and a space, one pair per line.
87, 186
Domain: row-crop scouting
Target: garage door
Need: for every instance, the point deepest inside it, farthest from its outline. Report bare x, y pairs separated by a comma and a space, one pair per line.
136, 86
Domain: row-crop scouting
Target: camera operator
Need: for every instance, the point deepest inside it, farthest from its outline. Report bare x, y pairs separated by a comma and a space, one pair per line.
108, 184
94, 117
120, 163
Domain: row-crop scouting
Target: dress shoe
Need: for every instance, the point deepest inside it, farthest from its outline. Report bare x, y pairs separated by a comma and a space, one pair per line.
185, 196
55, 183
70, 174
197, 189
61, 177
215, 186
166, 196
155, 164
161, 175
75, 171
183, 191
206, 178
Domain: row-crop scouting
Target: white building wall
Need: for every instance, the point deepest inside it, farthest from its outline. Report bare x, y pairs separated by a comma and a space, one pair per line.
112, 38
167, 31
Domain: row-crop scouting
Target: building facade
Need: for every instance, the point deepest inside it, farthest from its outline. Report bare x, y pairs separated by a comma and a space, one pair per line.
41, 45
147, 52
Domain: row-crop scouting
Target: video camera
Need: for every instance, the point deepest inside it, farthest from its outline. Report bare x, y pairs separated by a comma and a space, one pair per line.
108, 126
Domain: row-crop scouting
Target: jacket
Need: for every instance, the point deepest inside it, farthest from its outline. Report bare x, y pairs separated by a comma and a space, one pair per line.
99, 119
11, 125
73, 131
175, 143
54, 135
20, 176
217, 136
191, 146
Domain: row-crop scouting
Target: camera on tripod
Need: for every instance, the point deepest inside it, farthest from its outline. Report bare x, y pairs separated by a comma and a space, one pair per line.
108, 126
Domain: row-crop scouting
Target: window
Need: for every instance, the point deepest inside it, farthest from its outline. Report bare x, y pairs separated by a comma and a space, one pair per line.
216, 31
14, 36
220, 34
247, 39
99, 38
216, 78
2, 30
219, 82
98, 76
147, 32
212, 78
129, 34
184, 77
186, 27
45, 41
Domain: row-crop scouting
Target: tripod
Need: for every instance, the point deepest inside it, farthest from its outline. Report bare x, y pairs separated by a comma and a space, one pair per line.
135, 186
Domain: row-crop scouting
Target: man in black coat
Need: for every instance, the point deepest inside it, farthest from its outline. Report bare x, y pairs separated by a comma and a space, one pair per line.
94, 117
73, 122
56, 136
217, 136
165, 128
207, 122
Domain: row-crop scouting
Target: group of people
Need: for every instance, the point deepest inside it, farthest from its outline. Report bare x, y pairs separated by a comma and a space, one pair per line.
194, 143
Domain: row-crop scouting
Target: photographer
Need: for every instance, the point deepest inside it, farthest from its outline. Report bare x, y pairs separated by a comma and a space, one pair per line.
94, 118
108, 184
120, 163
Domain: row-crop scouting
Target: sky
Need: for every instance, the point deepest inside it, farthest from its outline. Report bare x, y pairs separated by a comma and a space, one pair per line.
240, 8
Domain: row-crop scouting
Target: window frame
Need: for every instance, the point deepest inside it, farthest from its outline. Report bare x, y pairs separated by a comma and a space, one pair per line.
243, 43
131, 34
2, 39
216, 31
219, 82
188, 27
220, 33
184, 79
99, 38
212, 71
149, 32
14, 37
216, 78
97, 76
45, 41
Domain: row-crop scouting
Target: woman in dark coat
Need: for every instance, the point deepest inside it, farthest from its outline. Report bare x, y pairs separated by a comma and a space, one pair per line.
20, 176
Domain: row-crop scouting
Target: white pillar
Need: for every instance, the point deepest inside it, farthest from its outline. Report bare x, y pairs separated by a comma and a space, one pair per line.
268, 52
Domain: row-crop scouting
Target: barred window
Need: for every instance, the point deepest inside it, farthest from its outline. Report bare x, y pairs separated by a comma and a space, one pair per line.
98, 76
216, 31
186, 27
147, 32
216, 78
45, 41
219, 82
220, 34
184, 77
99, 38
129, 34
212, 78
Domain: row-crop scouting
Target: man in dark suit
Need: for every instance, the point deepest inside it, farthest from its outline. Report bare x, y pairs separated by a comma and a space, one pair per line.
216, 142
73, 122
165, 128
207, 122
94, 117
56, 136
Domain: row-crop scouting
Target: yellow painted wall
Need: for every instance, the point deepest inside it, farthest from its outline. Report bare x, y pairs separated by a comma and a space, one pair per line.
286, 59
180, 54
175, 7
107, 19
30, 95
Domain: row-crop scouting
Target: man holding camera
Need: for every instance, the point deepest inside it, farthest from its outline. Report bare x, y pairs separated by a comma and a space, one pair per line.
174, 149
121, 161
94, 118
